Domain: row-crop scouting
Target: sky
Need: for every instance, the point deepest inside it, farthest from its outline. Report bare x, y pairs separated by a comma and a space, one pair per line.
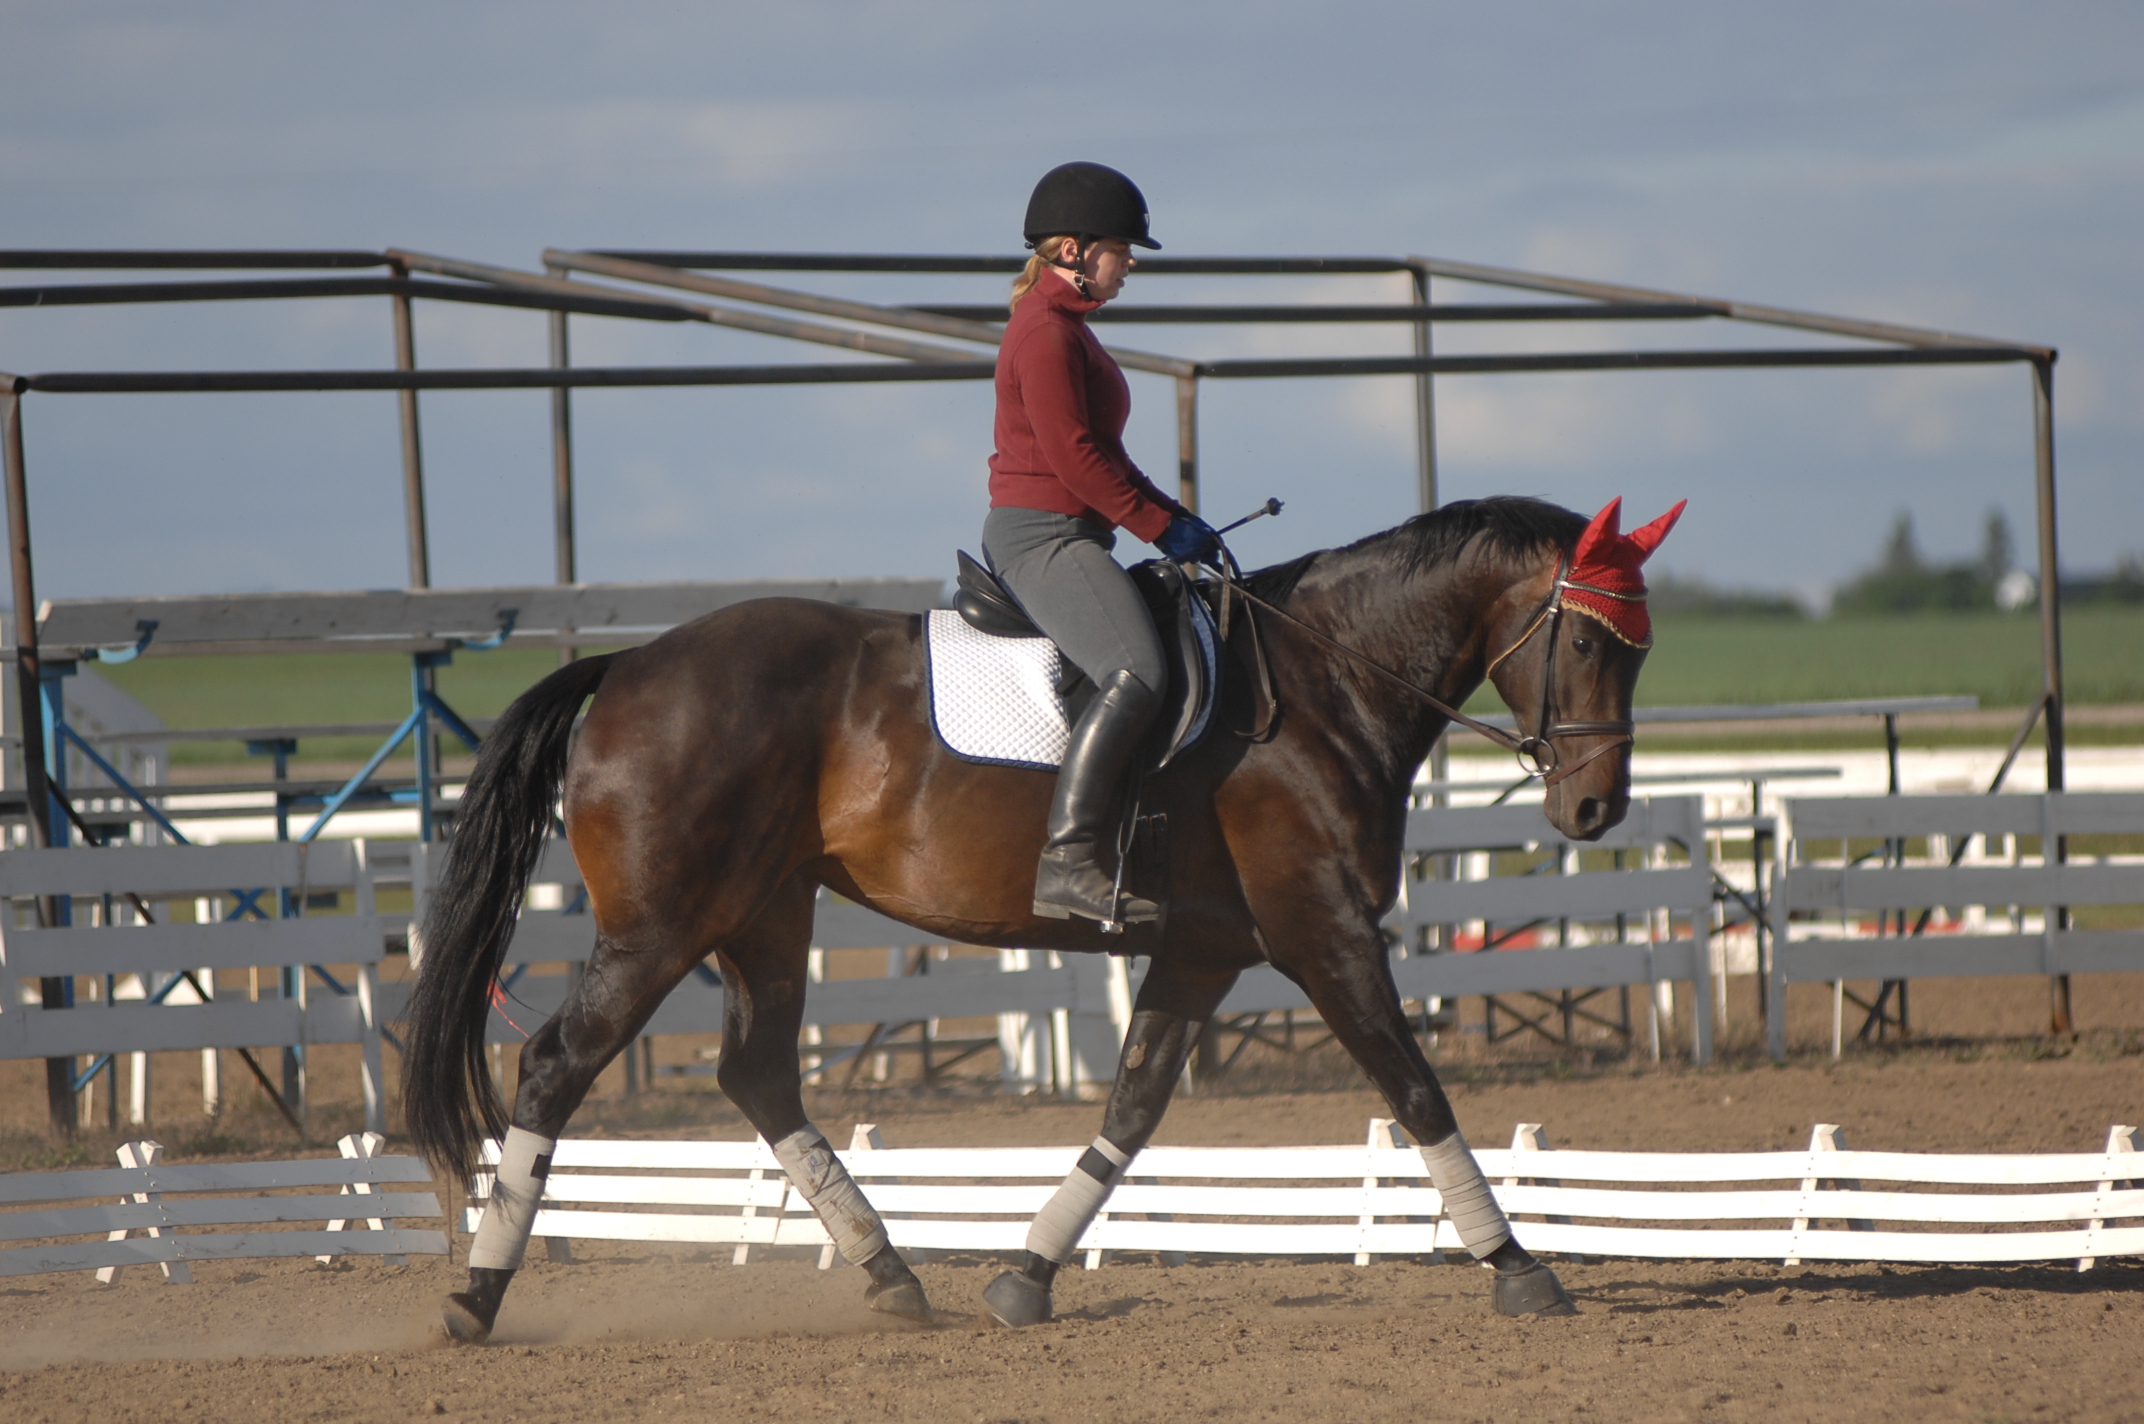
1972, 166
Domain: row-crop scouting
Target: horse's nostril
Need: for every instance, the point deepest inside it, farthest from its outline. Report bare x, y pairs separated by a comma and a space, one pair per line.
1590, 811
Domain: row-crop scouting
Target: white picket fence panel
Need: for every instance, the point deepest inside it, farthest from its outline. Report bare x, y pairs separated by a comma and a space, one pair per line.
1670, 886
96, 877
172, 1205
1825, 899
1089, 1002
1375, 1200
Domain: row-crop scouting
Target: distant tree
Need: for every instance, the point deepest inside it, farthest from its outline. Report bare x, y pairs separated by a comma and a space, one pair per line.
2124, 586
1903, 582
1673, 597
1902, 555
1996, 552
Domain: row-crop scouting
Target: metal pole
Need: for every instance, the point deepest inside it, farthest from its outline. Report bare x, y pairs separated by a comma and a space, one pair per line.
2043, 441
1425, 405
2043, 432
1425, 481
28, 690
30, 699
420, 558
1187, 442
562, 455
421, 684
562, 534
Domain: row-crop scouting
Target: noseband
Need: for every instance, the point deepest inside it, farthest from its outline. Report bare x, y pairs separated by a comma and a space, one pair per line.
1537, 754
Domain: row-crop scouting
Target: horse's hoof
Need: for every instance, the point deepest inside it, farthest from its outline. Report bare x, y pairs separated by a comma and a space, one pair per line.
1017, 1301
1533, 1291
465, 1319
902, 1298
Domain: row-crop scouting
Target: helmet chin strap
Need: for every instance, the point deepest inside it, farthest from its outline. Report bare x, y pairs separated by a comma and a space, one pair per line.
1077, 269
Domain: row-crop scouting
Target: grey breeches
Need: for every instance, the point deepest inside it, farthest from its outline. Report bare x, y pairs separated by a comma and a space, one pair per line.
1059, 567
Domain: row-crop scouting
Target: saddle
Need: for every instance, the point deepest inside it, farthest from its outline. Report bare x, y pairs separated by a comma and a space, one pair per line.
1189, 638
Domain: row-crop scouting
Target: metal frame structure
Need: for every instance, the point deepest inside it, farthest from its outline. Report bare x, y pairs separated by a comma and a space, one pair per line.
563, 289
555, 291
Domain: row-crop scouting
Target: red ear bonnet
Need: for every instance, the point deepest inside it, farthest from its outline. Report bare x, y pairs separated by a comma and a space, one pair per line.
1606, 578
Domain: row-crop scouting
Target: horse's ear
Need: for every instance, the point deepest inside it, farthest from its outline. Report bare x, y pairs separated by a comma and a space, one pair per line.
1648, 538
1600, 535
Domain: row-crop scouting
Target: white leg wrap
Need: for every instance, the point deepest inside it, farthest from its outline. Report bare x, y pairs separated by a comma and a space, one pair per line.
503, 1235
1475, 1215
1064, 1218
818, 1174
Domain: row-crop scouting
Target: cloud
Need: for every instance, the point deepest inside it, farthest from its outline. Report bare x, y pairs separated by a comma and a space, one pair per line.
1980, 172
1566, 420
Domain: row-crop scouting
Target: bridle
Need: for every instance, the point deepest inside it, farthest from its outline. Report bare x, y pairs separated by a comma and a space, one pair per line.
1537, 754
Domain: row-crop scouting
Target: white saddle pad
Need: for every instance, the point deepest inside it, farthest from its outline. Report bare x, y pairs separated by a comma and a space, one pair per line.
995, 699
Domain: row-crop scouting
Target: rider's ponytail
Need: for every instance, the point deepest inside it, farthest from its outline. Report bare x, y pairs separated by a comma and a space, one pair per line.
1036, 266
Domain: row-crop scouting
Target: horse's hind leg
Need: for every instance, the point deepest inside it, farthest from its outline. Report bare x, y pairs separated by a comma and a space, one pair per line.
764, 979
620, 989
763, 1001
1174, 1004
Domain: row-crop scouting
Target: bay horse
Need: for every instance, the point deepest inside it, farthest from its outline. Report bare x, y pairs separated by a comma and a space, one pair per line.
730, 768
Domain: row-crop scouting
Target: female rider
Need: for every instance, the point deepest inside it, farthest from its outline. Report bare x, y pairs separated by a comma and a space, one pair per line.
1060, 485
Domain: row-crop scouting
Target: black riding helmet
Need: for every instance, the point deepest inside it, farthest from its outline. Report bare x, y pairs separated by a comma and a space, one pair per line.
1087, 200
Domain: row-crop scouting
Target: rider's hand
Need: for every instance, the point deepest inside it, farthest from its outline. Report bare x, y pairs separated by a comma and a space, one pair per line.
1189, 539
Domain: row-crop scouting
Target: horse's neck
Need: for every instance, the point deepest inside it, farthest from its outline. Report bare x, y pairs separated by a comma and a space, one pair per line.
1430, 628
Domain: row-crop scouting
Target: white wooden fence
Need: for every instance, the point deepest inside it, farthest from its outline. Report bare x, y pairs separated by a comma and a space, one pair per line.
1079, 1005
1363, 1202
1994, 914
1647, 923
1821, 1203
162, 1201
107, 940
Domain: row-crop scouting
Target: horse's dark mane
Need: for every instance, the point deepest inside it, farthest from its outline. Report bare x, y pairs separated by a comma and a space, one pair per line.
1514, 525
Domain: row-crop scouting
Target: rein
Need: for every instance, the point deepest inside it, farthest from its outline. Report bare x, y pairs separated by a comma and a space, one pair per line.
1537, 754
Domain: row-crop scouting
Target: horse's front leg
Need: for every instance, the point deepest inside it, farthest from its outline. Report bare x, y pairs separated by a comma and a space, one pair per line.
1174, 1004
1342, 966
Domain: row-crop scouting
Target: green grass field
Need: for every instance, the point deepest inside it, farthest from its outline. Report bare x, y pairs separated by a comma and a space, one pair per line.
1993, 656
1696, 661
316, 687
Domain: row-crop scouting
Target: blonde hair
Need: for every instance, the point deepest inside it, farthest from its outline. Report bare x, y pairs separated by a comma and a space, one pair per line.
1037, 265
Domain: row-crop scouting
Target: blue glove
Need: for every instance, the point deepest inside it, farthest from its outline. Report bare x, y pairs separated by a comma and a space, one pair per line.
1189, 539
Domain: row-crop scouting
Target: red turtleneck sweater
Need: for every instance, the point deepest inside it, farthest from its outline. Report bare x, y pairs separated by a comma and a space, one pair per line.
1062, 403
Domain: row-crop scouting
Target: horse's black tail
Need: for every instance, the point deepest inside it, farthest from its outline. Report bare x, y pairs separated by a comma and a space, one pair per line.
448, 1099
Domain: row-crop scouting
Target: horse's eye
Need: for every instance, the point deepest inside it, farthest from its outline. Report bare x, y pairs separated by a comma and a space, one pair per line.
1581, 645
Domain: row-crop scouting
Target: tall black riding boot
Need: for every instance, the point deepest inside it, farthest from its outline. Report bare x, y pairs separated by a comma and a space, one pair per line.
1071, 880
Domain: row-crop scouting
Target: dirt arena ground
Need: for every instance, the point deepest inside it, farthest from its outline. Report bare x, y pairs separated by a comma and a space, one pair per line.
631, 1332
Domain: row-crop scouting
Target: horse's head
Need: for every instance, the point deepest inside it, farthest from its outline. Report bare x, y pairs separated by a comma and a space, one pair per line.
1572, 638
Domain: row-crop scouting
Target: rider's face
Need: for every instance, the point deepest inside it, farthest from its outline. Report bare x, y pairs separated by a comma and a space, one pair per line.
1107, 264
